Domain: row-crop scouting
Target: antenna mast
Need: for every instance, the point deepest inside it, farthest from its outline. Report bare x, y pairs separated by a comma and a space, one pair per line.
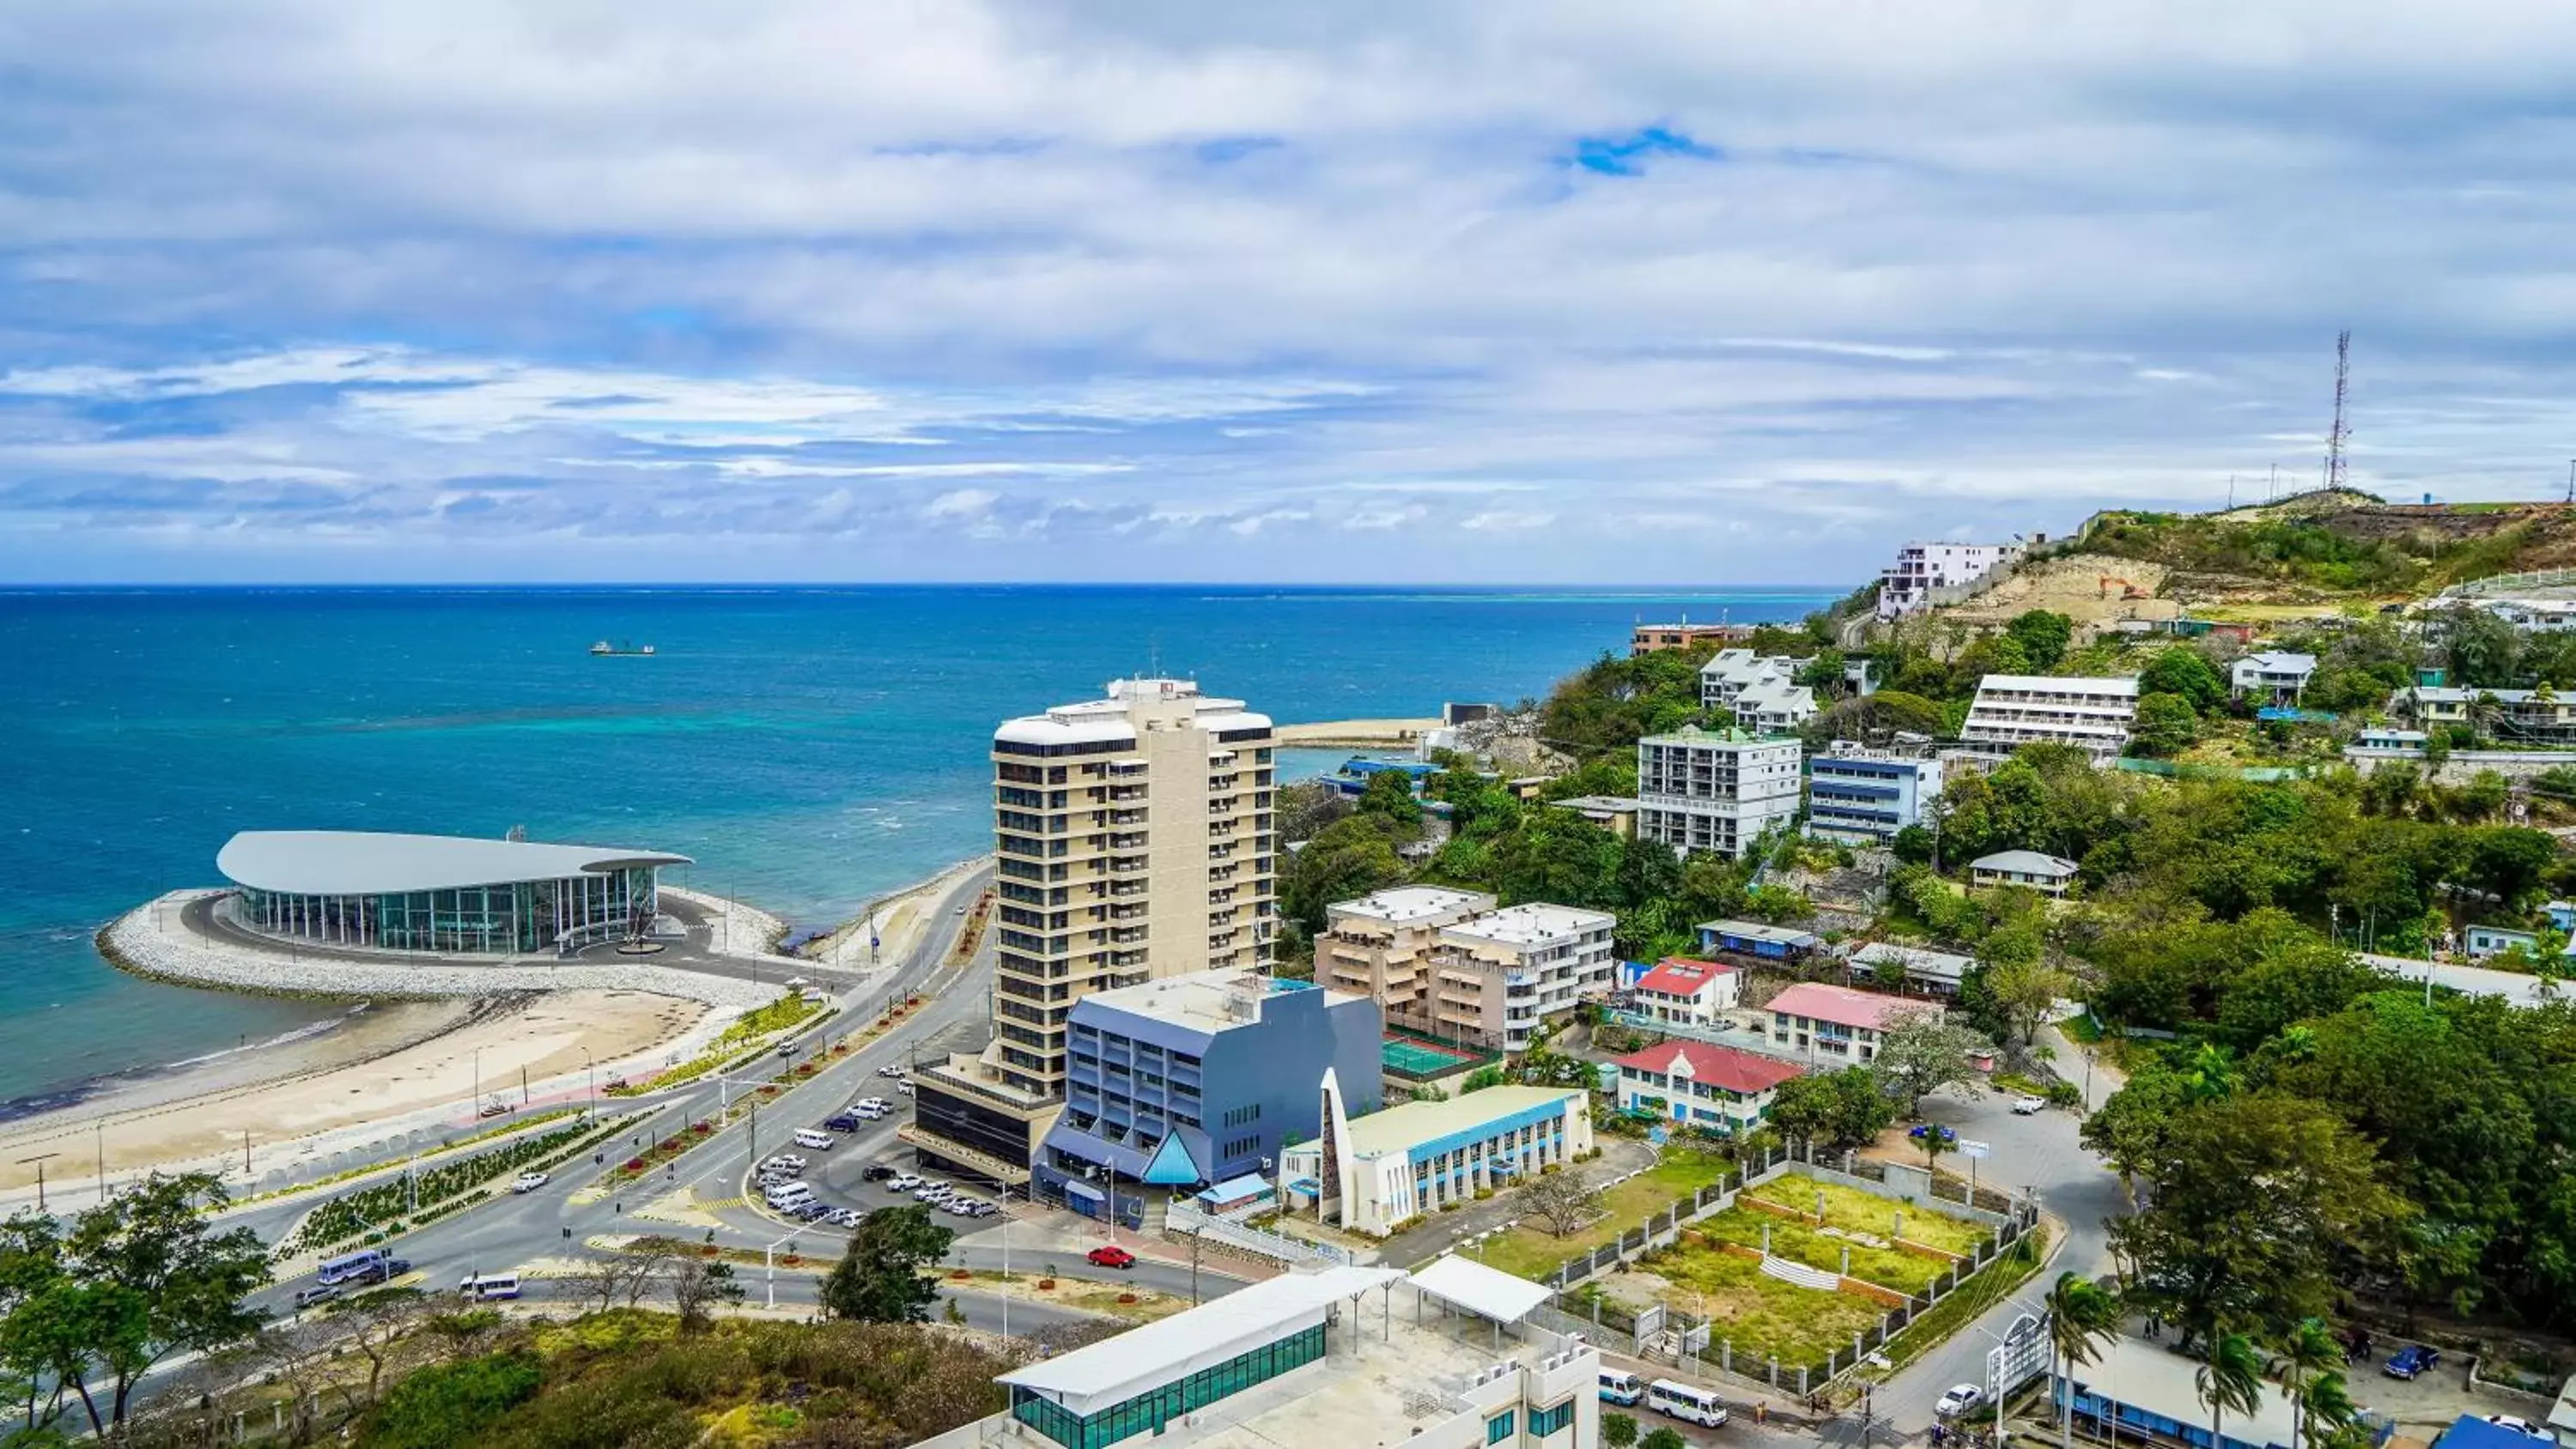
2336, 439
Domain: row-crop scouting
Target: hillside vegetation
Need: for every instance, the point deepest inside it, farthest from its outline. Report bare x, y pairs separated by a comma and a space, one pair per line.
2345, 543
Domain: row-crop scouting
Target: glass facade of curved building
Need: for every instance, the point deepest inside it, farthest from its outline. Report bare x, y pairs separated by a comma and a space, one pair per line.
504, 918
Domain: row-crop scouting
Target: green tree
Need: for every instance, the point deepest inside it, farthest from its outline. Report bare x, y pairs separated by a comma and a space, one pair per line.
2508, 862
1388, 795
879, 1280
132, 1281
2181, 671
2258, 1196
1347, 859
1832, 1111
2308, 1352
2043, 637
1618, 1430
2025, 989
2082, 1317
2231, 1378
2166, 725
1663, 1436
1921, 1053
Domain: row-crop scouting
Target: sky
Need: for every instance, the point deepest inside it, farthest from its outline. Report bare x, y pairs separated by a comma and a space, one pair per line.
1700, 292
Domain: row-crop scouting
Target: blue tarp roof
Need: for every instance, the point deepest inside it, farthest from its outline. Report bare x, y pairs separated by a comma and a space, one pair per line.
1251, 1184
2471, 1432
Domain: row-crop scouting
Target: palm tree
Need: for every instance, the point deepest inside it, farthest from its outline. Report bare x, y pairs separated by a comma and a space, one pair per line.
2327, 1404
2081, 1314
2231, 1379
2308, 1352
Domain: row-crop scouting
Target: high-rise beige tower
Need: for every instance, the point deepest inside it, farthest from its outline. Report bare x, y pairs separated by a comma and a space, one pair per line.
1133, 840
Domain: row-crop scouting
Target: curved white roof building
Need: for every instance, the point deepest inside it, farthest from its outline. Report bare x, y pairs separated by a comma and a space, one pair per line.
438, 893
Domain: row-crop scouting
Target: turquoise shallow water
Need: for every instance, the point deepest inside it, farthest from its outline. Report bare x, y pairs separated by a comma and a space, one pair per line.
810, 747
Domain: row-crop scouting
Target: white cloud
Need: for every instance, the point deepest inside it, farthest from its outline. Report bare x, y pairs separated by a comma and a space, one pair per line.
1254, 278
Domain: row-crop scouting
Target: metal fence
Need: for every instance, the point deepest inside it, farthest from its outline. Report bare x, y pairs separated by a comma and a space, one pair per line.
1180, 1217
1674, 1336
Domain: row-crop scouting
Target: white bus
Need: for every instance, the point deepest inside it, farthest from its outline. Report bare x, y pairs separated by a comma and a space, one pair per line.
484, 1287
367, 1265
1681, 1401
1621, 1387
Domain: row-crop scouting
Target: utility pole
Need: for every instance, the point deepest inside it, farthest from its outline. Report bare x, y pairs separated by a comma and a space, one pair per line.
39, 1160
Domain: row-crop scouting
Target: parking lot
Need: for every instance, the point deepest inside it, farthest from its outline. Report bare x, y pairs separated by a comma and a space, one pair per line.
833, 1172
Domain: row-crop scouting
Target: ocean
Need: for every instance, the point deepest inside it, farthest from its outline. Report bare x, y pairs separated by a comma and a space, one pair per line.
810, 748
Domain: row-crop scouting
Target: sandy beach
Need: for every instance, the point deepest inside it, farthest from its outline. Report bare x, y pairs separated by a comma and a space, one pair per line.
1358, 734
386, 1070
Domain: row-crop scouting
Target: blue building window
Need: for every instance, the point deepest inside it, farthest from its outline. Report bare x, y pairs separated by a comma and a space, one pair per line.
1550, 1421
1499, 1427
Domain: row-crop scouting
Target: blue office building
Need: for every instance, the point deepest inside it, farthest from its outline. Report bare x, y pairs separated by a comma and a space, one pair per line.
1197, 1079
1862, 797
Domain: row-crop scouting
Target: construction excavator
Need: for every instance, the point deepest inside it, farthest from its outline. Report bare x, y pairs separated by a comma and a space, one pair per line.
2127, 590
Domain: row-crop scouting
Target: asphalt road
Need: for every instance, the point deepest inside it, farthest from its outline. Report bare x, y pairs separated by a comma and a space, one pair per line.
2028, 1153
517, 1229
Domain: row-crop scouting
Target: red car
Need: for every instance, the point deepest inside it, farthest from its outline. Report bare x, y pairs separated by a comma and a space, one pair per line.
1110, 1255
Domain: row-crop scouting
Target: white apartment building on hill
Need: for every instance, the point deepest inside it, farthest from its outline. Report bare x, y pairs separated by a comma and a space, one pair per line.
2013, 710
1907, 584
1715, 789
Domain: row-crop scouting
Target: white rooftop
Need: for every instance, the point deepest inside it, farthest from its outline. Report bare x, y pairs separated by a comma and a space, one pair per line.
2125, 687
2281, 661
1531, 923
2153, 1377
1111, 719
1097, 1375
1404, 905
1485, 1292
2026, 862
1209, 1001
366, 862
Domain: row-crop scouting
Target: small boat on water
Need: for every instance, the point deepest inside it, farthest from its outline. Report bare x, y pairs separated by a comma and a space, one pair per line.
603, 648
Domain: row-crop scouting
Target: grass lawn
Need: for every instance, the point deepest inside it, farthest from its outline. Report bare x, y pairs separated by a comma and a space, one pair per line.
1759, 1313
1887, 1267
1857, 1211
1534, 1252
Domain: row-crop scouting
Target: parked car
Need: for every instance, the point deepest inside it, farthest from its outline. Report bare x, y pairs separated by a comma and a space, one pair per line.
843, 1122
865, 1104
1110, 1255
2409, 1361
1926, 1129
890, 1070
2027, 1105
2523, 1427
1960, 1399
794, 1162
528, 1182
904, 1087
878, 1172
905, 1182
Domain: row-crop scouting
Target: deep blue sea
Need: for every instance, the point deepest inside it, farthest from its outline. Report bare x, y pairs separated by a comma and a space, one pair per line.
811, 748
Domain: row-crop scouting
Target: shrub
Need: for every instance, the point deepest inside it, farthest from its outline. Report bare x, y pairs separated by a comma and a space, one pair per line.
448, 1404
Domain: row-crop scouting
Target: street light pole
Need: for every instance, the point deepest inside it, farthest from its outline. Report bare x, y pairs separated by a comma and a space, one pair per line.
39, 1160
769, 1267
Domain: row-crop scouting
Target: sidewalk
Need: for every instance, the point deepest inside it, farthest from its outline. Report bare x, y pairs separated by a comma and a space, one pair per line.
1039, 1231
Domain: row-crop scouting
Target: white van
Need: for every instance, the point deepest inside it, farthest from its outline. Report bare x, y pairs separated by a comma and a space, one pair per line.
485, 1287
1681, 1401
1621, 1388
789, 1194
816, 1139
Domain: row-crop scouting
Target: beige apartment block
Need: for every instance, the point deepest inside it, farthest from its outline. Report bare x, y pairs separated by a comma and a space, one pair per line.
1496, 977
1133, 839
1380, 945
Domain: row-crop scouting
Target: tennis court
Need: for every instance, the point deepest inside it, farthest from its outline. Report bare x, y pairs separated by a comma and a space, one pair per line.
1409, 1058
